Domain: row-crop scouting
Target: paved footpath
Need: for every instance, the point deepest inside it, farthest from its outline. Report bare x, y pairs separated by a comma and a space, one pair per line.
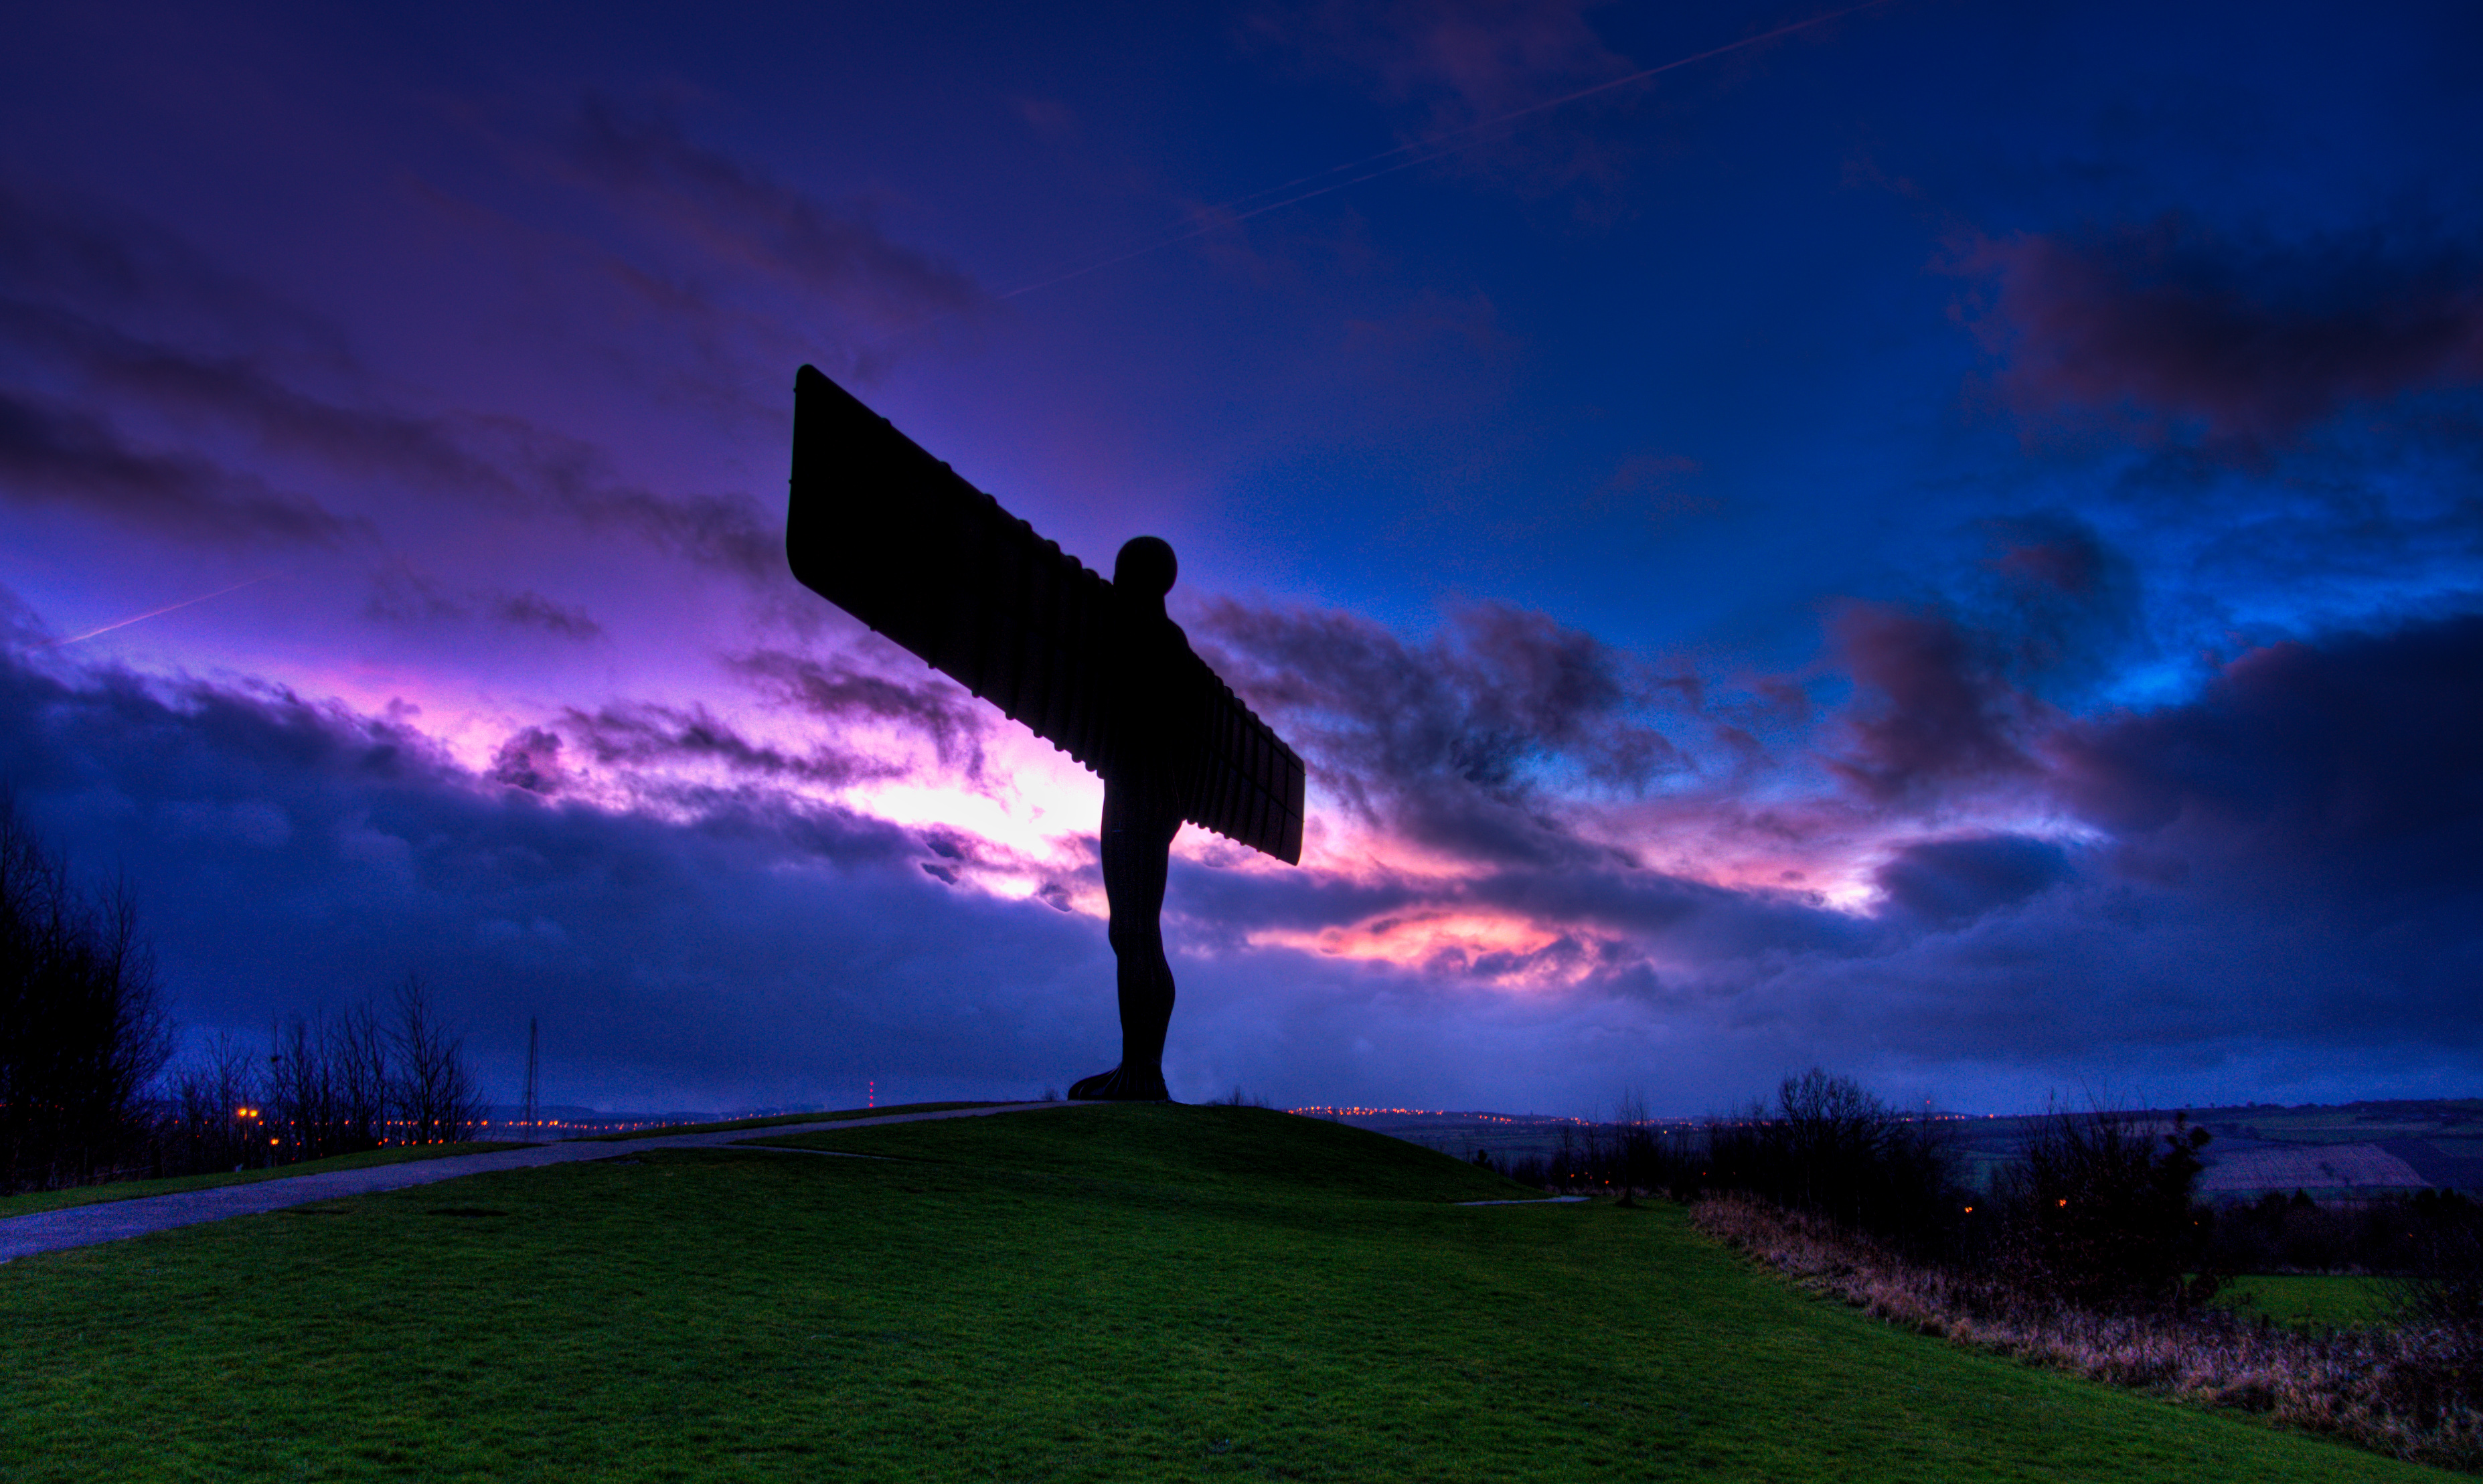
110, 1221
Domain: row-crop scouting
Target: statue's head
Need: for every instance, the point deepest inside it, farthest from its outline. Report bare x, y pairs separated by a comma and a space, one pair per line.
1145, 566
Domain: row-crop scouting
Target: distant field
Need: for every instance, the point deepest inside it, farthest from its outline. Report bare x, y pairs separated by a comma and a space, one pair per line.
2355, 1151
2324, 1300
1140, 1293
2356, 1167
28, 1203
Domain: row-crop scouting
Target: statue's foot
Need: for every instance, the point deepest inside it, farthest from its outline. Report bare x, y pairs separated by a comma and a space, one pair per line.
1122, 1085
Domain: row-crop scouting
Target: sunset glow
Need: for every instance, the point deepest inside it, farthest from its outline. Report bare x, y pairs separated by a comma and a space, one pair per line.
1934, 541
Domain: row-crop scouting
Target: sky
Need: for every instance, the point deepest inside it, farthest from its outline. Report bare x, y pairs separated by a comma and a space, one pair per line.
1938, 540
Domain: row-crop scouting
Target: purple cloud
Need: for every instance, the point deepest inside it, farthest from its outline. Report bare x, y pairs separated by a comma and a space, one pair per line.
2304, 832
1936, 708
2341, 771
1445, 743
1953, 881
638, 735
747, 945
54, 454
139, 322
2252, 342
644, 161
837, 693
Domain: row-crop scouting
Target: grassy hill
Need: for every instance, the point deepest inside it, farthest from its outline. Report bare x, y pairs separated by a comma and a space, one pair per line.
1080, 1293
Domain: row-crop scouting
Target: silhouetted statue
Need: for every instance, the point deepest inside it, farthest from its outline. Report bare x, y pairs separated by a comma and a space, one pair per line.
896, 538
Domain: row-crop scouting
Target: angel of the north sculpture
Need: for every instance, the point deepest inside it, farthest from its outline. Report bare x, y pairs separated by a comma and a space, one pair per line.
897, 539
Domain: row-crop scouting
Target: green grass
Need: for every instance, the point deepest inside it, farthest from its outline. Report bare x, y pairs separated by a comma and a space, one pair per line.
2309, 1300
1136, 1292
780, 1120
29, 1202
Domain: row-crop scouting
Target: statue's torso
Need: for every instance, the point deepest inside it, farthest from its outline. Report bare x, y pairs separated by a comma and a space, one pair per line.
1155, 709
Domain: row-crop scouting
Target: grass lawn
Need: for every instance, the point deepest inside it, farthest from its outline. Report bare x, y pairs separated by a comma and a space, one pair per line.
1136, 1293
2321, 1300
27, 1202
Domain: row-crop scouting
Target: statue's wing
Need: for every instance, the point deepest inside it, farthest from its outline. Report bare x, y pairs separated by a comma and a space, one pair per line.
1249, 783
897, 539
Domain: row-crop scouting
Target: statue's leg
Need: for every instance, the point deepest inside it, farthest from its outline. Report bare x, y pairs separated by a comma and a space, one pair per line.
1136, 842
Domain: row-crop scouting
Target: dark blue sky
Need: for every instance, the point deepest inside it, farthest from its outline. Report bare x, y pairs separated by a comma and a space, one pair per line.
1941, 540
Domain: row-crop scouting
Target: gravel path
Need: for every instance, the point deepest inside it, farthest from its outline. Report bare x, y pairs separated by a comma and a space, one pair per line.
110, 1221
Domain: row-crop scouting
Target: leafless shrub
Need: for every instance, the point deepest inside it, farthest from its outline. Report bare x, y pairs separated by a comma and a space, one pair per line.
2414, 1391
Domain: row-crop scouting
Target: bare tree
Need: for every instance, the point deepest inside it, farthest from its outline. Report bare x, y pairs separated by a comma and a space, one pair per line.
1635, 1159
215, 1113
436, 1100
300, 1091
1833, 1129
328, 1083
358, 1049
325, 1088
82, 1032
1831, 1146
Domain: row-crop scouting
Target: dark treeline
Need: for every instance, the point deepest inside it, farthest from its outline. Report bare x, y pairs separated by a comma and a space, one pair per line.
2098, 1209
340, 1084
89, 1089
82, 1032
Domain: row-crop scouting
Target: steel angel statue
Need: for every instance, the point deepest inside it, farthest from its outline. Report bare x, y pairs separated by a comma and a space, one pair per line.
896, 538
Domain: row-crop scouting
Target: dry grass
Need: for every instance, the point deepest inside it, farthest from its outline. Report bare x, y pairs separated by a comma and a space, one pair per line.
2409, 1392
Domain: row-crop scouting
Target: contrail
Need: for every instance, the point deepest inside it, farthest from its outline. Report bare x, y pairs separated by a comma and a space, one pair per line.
1421, 152
155, 612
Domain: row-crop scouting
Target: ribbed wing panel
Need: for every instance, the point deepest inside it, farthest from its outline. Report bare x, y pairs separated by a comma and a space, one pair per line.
896, 538
899, 539
1249, 783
